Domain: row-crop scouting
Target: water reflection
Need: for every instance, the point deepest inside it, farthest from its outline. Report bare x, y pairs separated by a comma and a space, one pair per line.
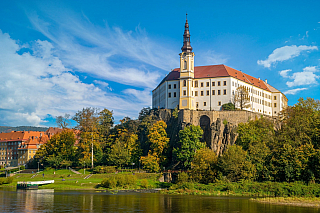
87, 201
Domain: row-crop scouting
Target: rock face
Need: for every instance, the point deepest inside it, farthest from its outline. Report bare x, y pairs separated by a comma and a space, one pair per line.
219, 127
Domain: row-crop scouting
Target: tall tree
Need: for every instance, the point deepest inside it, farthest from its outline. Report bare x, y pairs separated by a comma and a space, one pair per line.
241, 98
189, 143
63, 121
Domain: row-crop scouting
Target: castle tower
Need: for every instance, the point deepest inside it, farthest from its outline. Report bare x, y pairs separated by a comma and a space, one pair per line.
186, 72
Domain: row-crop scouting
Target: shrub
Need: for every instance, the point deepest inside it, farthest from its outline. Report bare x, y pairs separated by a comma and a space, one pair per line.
144, 183
9, 180
109, 182
183, 178
122, 181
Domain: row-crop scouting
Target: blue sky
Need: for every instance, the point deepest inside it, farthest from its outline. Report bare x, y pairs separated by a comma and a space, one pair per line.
58, 57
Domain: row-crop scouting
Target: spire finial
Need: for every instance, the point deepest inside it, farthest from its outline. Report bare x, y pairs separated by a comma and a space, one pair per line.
186, 37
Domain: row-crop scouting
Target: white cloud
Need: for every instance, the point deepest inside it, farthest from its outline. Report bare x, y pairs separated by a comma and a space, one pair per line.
36, 84
285, 53
302, 78
103, 84
311, 69
294, 91
284, 73
102, 51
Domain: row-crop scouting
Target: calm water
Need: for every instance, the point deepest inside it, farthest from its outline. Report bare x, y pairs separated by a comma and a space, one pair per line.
75, 201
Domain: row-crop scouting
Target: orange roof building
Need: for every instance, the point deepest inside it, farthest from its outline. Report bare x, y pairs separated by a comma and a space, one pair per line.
209, 87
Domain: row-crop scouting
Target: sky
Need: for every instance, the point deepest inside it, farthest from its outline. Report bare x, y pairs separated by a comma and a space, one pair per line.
58, 57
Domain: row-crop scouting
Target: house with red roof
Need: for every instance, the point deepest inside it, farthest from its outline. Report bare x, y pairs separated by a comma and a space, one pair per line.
209, 87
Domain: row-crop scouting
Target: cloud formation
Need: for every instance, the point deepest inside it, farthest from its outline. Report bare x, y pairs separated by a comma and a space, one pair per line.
285, 53
35, 84
307, 77
294, 91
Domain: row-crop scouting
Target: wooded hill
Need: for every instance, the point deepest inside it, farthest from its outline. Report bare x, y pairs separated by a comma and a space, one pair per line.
22, 128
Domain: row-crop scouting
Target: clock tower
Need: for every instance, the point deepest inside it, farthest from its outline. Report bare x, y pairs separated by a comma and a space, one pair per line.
186, 72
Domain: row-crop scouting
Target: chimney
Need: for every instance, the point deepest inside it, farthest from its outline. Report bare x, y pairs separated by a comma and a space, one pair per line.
259, 79
266, 81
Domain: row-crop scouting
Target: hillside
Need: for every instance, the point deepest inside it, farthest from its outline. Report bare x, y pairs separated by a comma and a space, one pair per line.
21, 128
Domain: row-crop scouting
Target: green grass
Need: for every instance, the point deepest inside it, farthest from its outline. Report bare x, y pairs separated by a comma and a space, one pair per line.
67, 180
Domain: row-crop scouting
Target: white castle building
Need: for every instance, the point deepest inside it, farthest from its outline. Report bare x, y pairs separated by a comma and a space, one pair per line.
209, 87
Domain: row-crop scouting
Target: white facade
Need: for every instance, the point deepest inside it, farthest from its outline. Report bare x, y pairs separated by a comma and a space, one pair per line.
212, 93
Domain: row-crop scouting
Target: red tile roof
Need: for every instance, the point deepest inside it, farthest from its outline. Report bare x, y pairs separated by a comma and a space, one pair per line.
214, 71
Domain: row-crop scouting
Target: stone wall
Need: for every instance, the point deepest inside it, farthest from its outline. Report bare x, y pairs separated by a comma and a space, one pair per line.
220, 127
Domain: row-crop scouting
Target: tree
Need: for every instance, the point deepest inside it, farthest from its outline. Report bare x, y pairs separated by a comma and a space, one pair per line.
228, 107
235, 165
241, 98
63, 121
150, 163
189, 143
119, 155
158, 139
203, 166
60, 146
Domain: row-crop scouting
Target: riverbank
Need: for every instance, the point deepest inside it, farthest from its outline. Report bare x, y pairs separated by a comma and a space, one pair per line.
290, 201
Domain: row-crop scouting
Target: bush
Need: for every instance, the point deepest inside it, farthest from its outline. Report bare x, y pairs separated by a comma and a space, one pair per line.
144, 183
104, 169
122, 181
183, 178
9, 180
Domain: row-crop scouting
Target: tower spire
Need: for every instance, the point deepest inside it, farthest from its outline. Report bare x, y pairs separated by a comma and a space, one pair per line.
186, 37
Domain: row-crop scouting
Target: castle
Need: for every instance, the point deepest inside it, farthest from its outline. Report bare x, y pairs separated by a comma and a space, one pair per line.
209, 87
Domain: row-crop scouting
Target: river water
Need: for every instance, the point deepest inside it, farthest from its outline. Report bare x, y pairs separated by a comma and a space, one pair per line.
90, 201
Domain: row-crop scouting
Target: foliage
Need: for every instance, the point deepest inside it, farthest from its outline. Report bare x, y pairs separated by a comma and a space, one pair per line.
121, 181
150, 163
158, 139
188, 144
104, 169
63, 121
175, 113
183, 177
235, 165
144, 183
203, 166
228, 107
241, 98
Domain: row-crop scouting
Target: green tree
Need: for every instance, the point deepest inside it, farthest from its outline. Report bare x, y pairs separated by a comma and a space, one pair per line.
119, 155
228, 107
189, 143
235, 165
203, 166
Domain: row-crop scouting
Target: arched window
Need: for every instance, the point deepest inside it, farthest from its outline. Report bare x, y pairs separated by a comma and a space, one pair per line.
184, 83
185, 65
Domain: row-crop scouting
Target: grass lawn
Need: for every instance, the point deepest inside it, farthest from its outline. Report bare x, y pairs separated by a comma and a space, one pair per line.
67, 180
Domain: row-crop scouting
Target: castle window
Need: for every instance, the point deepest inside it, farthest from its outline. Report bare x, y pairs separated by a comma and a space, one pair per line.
204, 103
224, 83
219, 83
207, 92
233, 93
219, 93
184, 83
196, 84
197, 105
184, 92
275, 104
169, 94
185, 65
219, 103
195, 93
213, 92
192, 93
174, 94
275, 112
174, 86
201, 84
201, 93
275, 97
224, 91
233, 83
207, 84
213, 83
